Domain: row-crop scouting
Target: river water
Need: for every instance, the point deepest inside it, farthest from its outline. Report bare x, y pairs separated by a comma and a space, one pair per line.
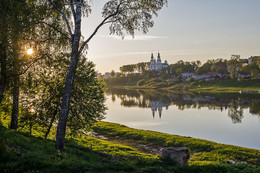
223, 118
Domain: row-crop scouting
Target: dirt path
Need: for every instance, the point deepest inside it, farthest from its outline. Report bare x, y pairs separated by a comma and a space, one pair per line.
151, 149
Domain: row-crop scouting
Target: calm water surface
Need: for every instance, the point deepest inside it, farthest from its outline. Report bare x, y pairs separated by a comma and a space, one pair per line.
224, 118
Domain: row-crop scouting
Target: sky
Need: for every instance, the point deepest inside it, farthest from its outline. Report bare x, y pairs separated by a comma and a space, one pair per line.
186, 30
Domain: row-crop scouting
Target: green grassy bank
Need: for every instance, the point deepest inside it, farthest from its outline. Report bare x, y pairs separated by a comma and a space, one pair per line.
228, 86
21, 152
204, 152
198, 86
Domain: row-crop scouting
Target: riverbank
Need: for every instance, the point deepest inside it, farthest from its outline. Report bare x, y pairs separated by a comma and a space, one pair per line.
230, 86
119, 150
204, 152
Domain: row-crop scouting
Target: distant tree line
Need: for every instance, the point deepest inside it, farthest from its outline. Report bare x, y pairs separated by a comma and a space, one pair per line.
141, 67
223, 66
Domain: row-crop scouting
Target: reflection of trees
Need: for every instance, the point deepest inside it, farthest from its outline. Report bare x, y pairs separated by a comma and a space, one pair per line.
113, 98
255, 108
235, 113
234, 103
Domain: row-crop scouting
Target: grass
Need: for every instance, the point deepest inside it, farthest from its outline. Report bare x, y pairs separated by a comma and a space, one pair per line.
228, 86
21, 152
201, 86
204, 152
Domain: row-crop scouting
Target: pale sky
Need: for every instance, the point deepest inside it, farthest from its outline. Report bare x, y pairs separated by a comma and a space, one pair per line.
186, 30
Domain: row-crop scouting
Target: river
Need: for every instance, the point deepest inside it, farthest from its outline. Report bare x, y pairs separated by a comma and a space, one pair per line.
223, 118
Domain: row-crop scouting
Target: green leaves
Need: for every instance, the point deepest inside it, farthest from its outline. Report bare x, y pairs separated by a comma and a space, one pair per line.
130, 15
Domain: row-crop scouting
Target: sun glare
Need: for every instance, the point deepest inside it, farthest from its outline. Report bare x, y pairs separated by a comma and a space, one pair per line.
30, 51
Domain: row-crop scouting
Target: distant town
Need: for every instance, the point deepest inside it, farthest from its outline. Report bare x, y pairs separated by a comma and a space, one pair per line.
215, 69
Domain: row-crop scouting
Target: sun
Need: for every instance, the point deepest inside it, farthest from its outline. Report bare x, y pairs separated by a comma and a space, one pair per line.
30, 51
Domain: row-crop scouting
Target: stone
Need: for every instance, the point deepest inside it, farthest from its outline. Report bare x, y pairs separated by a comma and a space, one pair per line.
179, 154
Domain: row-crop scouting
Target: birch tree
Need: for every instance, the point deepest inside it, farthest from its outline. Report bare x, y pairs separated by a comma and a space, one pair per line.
23, 25
122, 16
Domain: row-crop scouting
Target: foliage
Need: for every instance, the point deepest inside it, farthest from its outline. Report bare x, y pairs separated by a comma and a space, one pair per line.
23, 24
87, 100
123, 16
113, 73
130, 15
233, 65
183, 66
252, 68
41, 104
129, 80
140, 67
127, 69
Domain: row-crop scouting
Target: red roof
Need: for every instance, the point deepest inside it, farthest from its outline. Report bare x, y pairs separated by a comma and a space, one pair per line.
213, 73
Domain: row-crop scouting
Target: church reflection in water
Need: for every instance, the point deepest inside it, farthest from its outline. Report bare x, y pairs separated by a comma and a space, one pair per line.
157, 101
158, 106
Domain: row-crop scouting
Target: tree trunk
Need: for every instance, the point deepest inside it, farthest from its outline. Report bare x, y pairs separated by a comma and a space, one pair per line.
3, 57
15, 108
31, 126
50, 125
2, 90
61, 129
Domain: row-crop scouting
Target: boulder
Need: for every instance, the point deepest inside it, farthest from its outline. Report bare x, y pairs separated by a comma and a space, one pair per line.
179, 154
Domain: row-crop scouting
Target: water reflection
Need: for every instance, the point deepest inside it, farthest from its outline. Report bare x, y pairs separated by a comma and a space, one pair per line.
159, 102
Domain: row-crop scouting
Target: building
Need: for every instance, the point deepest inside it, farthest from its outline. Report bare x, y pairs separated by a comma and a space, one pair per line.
253, 59
108, 75
243, 75
157, 65
187, 75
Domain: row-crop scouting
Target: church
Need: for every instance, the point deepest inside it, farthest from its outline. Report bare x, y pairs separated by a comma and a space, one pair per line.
157, 65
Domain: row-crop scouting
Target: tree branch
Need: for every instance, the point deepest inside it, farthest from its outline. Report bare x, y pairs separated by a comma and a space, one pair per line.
98, 27
56, 29
72, 9
26, 69
111, 21
64, 16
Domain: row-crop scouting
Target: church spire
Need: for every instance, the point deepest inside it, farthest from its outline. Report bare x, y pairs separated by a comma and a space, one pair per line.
159, 57
152, 57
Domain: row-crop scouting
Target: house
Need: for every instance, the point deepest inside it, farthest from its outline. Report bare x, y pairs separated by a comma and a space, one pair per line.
243, 75
187, 75
214, 75
200, 77
207, 77
250, 60
157, 65
253, 59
